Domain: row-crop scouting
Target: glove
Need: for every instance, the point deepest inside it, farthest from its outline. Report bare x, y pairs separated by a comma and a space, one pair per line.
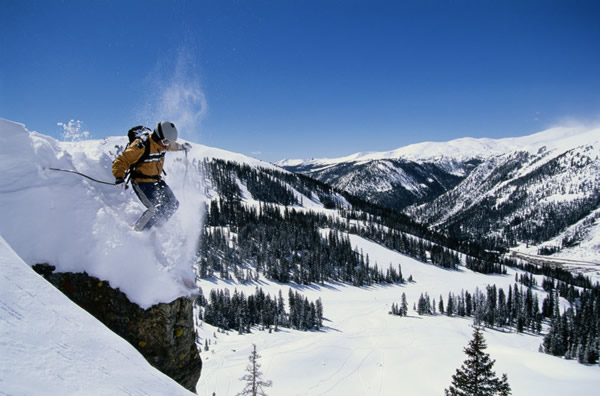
120, 183
186, 146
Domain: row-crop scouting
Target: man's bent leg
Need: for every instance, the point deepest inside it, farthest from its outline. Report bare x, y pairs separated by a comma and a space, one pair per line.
147, 193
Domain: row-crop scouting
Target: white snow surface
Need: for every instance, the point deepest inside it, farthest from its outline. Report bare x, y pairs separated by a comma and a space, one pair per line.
558, 138
50, 346
365, 351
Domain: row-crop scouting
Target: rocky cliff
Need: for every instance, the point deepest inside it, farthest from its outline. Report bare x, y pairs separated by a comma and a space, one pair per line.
163, 334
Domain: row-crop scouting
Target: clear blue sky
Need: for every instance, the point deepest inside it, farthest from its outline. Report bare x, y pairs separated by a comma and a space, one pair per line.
299, 79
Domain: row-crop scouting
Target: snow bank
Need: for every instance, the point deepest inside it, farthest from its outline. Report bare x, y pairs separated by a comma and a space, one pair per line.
78, 225
50, 346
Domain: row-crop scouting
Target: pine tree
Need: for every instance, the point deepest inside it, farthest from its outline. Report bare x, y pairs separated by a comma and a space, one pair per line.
403, 305
254, 382
475, 377
319, 318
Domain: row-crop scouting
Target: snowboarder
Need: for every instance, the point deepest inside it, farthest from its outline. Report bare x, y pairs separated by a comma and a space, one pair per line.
144, 159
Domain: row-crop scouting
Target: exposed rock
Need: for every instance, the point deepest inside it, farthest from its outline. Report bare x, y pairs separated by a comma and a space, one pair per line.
164, 333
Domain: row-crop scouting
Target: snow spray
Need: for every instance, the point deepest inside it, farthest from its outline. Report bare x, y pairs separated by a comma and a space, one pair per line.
176, 95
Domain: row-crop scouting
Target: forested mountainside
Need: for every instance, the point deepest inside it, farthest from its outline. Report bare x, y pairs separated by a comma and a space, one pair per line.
260, 221
522, 198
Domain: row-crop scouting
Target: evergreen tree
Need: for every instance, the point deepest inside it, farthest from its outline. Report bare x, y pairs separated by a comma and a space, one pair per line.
319, 313
403, 306
253, 378
450, 305
475, 377
424, 305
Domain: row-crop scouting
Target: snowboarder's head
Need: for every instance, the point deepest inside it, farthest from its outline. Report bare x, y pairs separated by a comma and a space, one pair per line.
165, 132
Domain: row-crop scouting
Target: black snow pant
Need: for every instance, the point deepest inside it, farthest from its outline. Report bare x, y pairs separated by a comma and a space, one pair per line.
159, 200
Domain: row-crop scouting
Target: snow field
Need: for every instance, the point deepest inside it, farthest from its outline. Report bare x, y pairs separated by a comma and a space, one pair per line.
365, 351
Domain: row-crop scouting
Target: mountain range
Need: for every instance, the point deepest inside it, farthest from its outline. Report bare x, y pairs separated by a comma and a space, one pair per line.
539, 193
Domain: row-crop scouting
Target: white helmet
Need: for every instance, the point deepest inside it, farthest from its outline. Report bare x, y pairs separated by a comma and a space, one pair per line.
166, 130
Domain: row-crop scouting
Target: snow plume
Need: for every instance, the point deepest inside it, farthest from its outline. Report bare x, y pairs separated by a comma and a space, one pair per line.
181, 245
176, 95
180, 99
73, 131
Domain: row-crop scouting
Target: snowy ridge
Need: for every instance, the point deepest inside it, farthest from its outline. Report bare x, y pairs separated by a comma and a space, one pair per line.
447, 184
421, 172
560, 138
50, 346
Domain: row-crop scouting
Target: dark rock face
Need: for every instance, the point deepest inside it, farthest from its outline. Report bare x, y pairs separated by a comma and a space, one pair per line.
163, 334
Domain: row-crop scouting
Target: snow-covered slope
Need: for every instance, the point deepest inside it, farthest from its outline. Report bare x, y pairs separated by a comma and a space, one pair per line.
547, 198
50, 346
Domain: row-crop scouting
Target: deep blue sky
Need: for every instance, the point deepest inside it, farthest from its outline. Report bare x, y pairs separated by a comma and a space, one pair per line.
298, 79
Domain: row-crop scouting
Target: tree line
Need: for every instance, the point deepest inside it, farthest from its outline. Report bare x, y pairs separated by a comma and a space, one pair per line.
575, 334
240, 312
353, 215
519, 308
285, 245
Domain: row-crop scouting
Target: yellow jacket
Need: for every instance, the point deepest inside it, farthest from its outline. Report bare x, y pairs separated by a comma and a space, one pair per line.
150, 169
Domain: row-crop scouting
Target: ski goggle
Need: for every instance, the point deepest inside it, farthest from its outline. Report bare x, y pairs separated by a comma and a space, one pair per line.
165, 142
